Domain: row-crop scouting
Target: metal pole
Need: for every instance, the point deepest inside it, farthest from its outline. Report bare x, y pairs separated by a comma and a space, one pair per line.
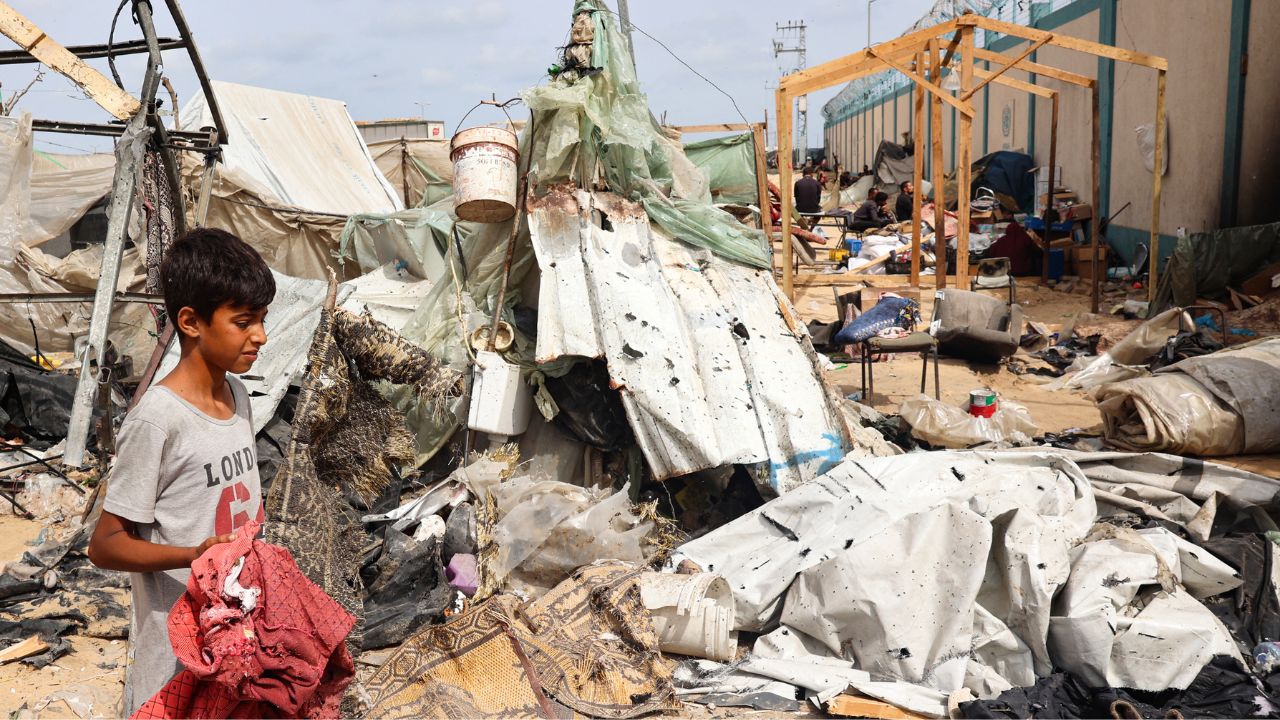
133, 143
625, 16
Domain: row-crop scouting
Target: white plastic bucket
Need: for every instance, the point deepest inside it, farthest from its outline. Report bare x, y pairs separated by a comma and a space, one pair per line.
500, 402
484, 174
692, 614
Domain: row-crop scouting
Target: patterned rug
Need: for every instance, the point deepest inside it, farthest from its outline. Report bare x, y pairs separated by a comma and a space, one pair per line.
587, 648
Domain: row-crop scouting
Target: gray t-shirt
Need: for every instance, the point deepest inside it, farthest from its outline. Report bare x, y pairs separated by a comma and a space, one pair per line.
180, 476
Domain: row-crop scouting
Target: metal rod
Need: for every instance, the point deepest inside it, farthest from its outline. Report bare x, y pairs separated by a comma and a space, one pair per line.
86, 52
78, 298
180, 21
115, 130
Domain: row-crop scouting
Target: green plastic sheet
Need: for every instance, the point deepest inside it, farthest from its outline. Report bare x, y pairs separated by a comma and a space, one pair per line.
730, 166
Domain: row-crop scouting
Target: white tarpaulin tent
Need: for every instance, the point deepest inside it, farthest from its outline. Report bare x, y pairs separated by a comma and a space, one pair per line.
294, 168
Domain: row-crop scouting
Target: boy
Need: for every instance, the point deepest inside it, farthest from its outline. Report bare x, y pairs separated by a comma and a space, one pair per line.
186, 473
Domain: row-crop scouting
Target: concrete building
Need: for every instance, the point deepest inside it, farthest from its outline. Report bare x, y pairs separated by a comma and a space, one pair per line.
1223, 108
396, 128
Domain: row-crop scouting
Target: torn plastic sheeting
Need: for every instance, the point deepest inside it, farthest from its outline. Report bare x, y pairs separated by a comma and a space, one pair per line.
698, 346
730, 166
292, 318
547, 529
1219, 404
998, 530
943, 425
1127, 358
1124, 618
1168, 487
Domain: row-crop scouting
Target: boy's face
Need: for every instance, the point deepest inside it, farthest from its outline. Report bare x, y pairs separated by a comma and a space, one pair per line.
230, 339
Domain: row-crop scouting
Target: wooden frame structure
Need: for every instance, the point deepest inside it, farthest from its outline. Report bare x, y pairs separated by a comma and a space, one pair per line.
757, 141
920, 56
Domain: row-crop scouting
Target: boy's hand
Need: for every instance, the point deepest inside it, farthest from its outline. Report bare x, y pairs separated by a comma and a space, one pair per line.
210, 542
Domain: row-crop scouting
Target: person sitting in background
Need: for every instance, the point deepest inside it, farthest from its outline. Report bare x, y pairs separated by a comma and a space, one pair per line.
902, 209
808, 193
872, 214
865, 171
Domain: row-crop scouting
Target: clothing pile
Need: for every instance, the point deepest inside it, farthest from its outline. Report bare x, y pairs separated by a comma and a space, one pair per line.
257, 638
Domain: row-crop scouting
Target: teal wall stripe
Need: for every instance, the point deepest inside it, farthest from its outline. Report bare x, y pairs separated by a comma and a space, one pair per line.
1106, 106
1229, 196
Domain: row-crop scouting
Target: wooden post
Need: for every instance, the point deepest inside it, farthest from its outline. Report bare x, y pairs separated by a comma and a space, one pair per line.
1154, 263
785, 189
964, 170
939, 179
762, 176
1095, 225
917, 176
1053, 163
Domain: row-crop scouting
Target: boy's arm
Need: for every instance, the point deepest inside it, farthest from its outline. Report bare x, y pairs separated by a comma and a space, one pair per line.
115, 545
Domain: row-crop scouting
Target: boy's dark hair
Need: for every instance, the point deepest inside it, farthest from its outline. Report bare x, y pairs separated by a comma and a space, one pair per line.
208, 268
903, 185
881, 197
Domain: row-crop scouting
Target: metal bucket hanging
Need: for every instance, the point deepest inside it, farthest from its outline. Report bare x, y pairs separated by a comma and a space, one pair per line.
484, 174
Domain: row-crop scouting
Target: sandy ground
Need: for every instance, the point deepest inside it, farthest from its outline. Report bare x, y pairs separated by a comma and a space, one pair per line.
86, 682
898, 379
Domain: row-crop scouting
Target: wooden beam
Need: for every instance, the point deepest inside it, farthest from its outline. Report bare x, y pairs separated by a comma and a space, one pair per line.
1132, 57
964, 164
951, 50
97, 86
785, 189
1015, 84
1154, 253
1005, 68
865, 707
939, 178
836, 72
762, 175
1053, 163
965, 108
722, 127
918, 178
1036, 68
1095, 154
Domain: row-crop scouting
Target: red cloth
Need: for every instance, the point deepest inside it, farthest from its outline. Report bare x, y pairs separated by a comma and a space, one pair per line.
283, 658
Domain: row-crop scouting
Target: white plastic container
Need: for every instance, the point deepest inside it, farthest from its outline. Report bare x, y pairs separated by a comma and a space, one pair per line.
501, 402
484, 174
692, 614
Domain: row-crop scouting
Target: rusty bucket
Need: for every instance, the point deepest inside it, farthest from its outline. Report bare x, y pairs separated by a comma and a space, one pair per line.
484, 174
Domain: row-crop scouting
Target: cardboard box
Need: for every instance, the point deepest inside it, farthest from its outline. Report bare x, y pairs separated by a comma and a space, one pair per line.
1081, 264
1080, 211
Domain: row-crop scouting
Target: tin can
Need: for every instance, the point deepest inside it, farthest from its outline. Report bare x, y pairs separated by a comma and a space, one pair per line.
982, 403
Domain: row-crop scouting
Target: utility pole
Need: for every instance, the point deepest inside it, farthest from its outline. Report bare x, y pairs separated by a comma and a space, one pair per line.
780, 46
624, 15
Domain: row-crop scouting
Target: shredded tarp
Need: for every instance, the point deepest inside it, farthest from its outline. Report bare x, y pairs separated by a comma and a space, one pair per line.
730, 166
1218, 404
854, 560
587, 647
420, 169
1127, 358
294, 167
602, 120
703, 350
948, 570
415, 240
1204, 265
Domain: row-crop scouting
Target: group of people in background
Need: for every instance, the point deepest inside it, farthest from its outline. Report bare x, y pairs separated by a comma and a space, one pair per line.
872, 214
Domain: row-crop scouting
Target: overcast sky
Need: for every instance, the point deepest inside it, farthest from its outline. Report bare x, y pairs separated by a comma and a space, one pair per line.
406, 58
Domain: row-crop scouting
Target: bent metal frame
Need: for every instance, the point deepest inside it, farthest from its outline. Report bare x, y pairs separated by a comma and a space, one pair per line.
920, 56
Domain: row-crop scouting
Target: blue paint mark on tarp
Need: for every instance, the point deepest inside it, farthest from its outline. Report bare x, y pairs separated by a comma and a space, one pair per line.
830, 455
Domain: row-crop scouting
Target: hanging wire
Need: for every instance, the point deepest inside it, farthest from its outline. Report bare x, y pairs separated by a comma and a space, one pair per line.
494, 102
687, 65
111, 38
